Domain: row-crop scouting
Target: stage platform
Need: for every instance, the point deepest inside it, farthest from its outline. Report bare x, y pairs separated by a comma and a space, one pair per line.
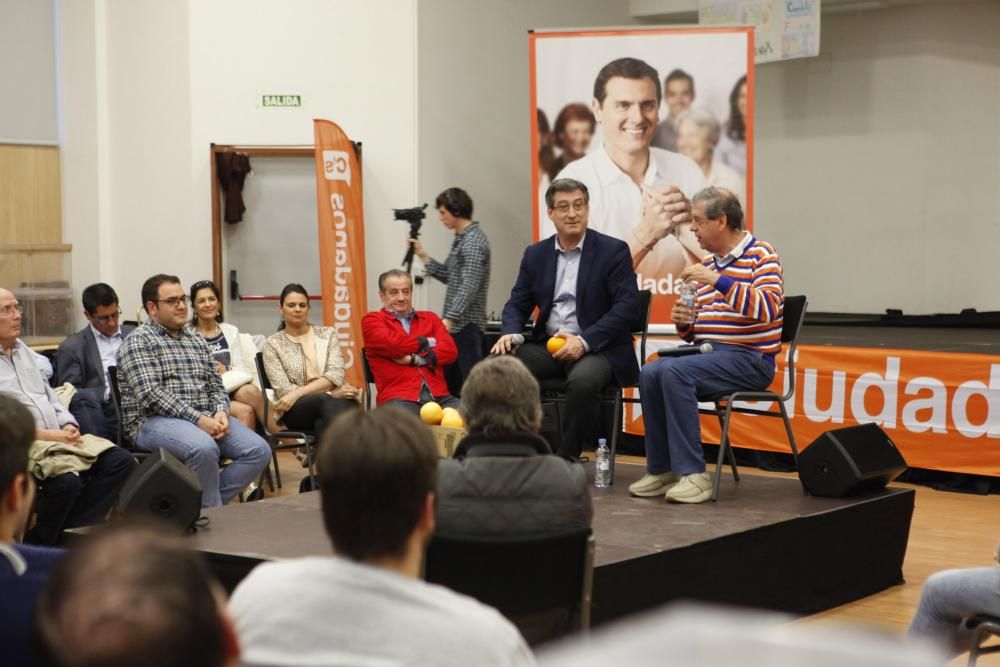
763, 544
928, 339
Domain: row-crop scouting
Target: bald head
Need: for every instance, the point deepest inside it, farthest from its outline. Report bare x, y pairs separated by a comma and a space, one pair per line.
10, 318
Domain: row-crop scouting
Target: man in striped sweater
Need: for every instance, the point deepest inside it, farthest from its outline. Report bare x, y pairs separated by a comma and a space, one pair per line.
739, 310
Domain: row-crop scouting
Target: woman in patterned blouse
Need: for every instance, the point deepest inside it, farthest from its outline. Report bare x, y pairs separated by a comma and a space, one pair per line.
306, 368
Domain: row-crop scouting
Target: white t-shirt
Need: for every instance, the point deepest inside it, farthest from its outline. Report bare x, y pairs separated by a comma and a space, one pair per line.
616, 203
327, 611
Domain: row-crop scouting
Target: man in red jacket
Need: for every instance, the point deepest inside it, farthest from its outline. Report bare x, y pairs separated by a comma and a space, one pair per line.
407, 349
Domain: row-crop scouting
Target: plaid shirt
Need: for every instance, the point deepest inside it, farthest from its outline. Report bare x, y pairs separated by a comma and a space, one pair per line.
163, 376
467, 274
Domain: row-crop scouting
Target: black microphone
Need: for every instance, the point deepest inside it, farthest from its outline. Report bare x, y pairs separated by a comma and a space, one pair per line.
685, 350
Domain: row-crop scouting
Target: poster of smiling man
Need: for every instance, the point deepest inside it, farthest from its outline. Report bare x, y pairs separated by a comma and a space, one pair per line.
642, 117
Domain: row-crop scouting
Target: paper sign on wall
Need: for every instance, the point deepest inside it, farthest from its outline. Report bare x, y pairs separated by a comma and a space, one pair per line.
784, 29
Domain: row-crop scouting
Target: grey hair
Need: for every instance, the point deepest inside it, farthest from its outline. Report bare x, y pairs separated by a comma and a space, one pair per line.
392, 273
565, 185
501, 396
704, 119
719, 201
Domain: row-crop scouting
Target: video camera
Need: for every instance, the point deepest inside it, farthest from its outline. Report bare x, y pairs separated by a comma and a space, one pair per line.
415, 216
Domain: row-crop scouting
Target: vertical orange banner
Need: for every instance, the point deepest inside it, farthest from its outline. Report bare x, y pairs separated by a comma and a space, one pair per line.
341, 242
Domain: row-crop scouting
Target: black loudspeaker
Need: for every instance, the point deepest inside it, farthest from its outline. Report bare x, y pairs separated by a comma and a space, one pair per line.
850, 460
163, 488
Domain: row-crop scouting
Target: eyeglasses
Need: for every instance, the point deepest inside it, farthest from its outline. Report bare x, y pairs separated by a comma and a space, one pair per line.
564, 206
104, 319
174, 301
9, 309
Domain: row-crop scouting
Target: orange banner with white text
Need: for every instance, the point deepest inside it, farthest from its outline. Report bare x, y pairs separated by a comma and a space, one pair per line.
941, 410
341, 242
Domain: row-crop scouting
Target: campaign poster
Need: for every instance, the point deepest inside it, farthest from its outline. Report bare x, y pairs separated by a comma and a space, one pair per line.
692, 127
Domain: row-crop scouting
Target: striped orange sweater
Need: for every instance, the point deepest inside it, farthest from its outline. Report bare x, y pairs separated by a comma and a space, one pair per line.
745, 305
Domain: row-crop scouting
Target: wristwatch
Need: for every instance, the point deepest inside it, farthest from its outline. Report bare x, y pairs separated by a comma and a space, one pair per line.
413, 360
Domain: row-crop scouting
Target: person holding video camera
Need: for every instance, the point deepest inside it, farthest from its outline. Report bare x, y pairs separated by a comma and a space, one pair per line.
466, 272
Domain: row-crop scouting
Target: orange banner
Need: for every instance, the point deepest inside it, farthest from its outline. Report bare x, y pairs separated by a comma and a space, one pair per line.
942, 410
341, 242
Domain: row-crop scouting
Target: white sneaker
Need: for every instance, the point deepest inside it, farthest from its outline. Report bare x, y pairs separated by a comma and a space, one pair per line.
694, 488
652, 485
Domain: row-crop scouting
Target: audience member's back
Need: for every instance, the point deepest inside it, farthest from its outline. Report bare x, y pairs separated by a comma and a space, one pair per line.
504, 481
366, 605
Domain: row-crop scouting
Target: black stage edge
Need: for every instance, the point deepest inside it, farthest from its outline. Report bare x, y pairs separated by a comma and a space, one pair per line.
763, 544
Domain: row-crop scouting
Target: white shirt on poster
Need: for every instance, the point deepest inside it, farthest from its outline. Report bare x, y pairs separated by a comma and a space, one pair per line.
616, 202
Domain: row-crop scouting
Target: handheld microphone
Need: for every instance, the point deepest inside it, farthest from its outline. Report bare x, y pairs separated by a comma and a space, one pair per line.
516, 340
684, 350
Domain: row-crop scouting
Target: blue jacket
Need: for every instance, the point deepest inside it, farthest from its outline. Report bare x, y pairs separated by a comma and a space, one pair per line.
607, 298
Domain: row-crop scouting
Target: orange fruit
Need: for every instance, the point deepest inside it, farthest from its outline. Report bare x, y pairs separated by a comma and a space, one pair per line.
554, 344
431, 413
452, 418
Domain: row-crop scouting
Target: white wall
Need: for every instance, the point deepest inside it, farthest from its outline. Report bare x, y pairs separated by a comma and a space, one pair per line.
158, 82
474, 117
27, 72
878, 163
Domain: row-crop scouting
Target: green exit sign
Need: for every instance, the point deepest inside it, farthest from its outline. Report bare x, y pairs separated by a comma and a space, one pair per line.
281, 100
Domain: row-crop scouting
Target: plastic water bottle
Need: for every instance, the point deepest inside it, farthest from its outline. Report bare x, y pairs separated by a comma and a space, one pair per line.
602, 465
687, 293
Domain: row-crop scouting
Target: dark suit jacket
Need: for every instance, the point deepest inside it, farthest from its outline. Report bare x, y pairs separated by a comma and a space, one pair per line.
78, 361
607, 298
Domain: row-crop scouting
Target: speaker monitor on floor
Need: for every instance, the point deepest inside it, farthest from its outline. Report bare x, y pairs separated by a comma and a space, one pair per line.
847, 461
162, 487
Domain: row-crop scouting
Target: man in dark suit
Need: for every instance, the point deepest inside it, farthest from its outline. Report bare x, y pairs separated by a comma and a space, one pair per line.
584, 287
83, 361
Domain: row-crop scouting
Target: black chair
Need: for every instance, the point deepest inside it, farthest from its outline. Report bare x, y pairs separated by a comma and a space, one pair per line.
526, 579
554, 389
369, 380
121, 439
304, 439
794, 314
981, 627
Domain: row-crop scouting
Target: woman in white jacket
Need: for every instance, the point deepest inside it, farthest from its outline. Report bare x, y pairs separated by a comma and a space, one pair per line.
246, 399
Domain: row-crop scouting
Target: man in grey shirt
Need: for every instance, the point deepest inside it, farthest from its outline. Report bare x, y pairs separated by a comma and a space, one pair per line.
366, 604
79, 475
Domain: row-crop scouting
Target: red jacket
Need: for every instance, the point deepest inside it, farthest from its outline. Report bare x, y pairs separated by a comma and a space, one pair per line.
385, 340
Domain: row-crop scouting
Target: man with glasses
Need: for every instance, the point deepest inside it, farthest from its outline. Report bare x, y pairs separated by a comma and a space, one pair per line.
172, 397
84, 357
584, 287
79, 475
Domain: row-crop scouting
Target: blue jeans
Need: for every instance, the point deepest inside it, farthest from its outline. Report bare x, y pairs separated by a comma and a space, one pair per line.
669, 390
950, 596
249, 454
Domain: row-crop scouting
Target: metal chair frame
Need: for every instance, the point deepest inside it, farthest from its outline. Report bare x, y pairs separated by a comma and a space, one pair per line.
307, 438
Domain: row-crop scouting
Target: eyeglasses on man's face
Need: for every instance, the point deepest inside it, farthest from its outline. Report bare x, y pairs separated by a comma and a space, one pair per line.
105, 319
563, 207
8, 309
174, 301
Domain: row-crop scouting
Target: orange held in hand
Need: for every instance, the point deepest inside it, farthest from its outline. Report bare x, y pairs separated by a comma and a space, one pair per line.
452, 418
431, 413
554, 344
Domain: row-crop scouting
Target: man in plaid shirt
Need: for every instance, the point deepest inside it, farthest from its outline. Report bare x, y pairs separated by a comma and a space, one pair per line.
467, 274
172, 397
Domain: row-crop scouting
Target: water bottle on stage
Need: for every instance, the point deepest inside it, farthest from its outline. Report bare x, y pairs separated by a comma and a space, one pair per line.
602, 465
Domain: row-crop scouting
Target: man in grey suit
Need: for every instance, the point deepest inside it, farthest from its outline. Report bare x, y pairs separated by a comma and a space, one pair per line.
84, 357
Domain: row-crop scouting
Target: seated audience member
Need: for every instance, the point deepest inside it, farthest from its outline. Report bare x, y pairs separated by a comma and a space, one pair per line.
133, 596
582, 283
84, 357
407, 349
80, 475
365, 604
952, 595
306, 368
739, 309
172, 397
246, 401
23, 569
503, 464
